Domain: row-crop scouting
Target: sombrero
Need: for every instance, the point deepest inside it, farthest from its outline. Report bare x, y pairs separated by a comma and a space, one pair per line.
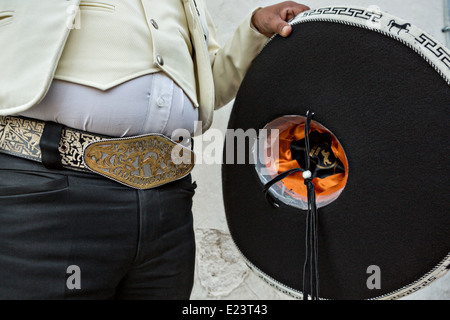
356, 204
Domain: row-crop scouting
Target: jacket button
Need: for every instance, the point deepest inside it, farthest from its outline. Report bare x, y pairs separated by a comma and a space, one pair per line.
154, 24
161, 102
160, 60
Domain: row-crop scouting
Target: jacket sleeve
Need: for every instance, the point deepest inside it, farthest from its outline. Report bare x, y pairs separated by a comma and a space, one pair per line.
230, 63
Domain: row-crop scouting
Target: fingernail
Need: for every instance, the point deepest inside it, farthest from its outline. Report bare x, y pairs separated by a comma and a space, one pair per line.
284, 30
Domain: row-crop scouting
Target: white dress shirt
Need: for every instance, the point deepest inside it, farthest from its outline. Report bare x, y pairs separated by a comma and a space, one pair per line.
148, 104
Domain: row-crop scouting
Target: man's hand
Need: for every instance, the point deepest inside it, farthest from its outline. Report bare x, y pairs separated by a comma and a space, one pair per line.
273, 19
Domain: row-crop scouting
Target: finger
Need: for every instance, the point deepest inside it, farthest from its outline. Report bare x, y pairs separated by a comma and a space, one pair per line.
300, 8
287, 14
292, 12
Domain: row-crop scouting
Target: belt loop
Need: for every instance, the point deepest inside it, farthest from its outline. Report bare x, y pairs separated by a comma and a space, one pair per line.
51, 136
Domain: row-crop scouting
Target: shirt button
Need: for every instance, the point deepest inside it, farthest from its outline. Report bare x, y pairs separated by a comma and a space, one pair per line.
161, 102
154, 24
160, 60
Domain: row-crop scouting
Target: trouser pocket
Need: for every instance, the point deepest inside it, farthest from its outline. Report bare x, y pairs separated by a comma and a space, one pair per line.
21, 182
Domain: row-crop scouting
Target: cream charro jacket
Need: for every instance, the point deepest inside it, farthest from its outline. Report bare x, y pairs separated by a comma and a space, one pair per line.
33, 35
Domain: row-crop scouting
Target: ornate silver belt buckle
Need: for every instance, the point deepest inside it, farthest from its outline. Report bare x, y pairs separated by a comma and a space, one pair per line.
141, 162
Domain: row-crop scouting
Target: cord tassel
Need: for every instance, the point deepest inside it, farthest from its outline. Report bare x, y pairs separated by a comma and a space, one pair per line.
311, 235
312, 243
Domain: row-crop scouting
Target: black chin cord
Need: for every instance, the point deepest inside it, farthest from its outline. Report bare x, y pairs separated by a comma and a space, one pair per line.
311, 239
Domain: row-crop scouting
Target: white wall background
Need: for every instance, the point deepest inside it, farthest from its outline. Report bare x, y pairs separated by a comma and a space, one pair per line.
220, 272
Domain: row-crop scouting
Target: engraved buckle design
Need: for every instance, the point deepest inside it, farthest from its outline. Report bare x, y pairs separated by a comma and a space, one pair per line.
141, 162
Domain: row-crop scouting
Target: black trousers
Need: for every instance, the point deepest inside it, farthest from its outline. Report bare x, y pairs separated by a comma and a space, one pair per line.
73, 235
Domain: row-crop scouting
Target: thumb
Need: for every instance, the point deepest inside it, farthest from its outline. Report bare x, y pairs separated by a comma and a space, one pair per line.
284, 29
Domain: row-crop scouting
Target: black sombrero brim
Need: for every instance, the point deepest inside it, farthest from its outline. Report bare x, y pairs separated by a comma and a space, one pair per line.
387, 102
